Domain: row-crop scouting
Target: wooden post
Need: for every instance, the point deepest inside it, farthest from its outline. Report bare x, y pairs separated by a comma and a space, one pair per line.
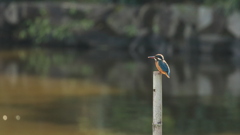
157, 103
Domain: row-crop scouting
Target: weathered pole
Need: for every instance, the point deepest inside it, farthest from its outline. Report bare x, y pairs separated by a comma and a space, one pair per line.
157, 103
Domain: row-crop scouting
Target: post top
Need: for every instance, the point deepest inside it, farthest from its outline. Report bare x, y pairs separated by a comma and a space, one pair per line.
156, 73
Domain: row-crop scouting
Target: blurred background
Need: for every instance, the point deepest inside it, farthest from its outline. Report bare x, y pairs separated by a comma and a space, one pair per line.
81, 67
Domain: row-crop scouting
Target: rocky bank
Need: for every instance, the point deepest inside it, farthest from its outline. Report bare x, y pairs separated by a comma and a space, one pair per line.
159, 27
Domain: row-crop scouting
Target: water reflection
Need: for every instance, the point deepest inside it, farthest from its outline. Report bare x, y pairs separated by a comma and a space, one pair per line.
69, 91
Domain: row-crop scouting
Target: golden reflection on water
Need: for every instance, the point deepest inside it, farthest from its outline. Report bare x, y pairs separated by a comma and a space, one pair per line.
11, 126
34, 89
12, 54
17, 90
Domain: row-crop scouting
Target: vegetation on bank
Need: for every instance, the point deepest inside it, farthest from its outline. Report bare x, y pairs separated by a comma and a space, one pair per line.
42, 30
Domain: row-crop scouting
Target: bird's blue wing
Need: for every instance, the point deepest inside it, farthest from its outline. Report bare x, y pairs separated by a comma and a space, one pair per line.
164, 67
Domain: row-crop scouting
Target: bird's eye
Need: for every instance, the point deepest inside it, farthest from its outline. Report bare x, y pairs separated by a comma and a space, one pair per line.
159, 57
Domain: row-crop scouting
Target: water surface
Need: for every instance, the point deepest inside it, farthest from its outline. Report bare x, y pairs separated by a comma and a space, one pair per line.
67, 91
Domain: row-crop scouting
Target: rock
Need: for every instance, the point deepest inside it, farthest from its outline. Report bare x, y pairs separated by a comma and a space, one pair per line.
127, 23
12, 13
2, 9
236, 50
72, 11
145, 16
97, 11
55, 12
185, 12
219, 22
205, 17
167, 20
99, 14
91, 10
188, 32
233, 24
30, 10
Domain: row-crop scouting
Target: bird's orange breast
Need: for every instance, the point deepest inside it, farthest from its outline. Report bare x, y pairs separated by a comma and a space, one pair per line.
160, 69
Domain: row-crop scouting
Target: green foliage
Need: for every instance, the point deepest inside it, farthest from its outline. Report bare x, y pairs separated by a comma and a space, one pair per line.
130, 30
86, 70
85, 24
72, 11
41, 30
156, 28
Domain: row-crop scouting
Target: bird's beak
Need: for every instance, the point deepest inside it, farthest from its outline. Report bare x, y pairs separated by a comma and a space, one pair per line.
151, 57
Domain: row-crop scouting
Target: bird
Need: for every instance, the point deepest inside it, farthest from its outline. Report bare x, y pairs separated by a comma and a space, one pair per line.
161, 64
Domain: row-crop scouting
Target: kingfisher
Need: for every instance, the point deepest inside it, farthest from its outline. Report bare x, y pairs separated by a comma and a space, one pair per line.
161, 64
